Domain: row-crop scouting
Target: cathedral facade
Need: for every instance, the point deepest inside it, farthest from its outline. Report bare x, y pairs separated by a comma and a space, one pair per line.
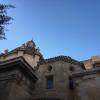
26, 75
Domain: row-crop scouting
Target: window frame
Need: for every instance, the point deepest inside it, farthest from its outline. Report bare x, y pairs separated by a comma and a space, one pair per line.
49, 82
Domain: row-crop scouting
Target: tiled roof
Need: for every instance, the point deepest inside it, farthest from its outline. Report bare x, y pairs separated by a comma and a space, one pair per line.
63, 58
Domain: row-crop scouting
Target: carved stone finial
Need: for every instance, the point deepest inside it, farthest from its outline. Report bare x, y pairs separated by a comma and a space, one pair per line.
30, 44
6, 51
23, 46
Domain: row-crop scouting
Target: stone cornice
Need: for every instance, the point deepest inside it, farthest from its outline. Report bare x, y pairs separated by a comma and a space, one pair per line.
86, 72
21, 62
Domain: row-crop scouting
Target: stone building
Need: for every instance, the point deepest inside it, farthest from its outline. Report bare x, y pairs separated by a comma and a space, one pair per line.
26, 75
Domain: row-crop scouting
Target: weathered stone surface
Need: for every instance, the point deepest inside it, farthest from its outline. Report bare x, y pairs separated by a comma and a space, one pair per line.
60, 71
16, 80
24, 73
87, 85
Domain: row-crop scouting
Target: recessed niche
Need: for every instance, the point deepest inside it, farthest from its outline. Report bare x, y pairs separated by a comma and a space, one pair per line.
49, 68
71, 68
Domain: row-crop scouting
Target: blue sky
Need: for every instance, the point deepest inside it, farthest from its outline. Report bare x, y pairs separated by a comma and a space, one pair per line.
58, 27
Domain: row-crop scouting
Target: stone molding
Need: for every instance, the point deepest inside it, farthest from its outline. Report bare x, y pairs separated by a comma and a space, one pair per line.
22, 64
86, 72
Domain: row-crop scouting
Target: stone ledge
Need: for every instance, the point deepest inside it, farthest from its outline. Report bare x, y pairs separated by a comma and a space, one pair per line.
86, 72
18, 62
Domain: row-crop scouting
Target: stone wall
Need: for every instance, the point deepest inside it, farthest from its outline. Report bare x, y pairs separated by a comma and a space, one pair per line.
20, 88
87, 85
60, 71
89, 63
17, 80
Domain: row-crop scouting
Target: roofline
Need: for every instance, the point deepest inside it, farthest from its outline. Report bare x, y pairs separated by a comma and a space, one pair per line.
62, 58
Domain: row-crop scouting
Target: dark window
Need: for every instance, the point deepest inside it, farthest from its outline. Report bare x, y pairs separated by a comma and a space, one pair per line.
71, 83
49, 80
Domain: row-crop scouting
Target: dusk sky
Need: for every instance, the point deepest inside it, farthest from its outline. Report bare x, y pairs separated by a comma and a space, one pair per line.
58, 27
